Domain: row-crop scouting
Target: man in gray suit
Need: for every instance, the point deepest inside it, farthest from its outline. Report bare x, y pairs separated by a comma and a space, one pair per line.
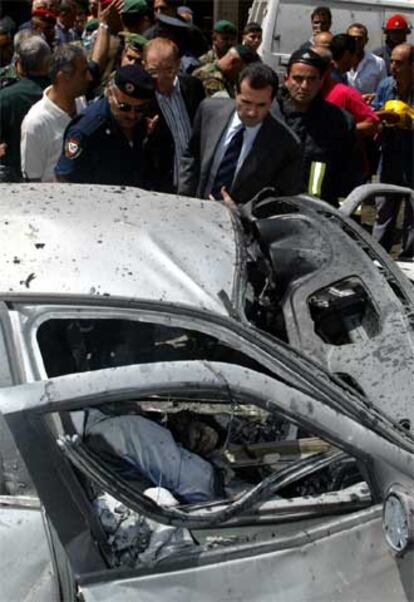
237, 146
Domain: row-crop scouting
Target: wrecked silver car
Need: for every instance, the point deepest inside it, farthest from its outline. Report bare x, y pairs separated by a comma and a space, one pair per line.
264, 356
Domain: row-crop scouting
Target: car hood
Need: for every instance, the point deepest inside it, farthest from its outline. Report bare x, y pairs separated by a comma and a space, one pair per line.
100, 240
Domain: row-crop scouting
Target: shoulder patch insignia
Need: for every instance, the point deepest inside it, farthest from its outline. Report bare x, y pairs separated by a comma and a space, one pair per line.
72, 148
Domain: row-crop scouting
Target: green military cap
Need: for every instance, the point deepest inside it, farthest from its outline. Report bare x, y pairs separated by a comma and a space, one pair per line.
133, 39
135, 7
91, 25
224, 26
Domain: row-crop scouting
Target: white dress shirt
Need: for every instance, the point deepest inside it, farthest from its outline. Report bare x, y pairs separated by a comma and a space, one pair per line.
249, 137
368, 74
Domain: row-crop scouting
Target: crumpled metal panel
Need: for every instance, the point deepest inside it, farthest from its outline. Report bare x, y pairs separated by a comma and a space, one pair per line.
315, 236
26, 573
100, 240
351, 564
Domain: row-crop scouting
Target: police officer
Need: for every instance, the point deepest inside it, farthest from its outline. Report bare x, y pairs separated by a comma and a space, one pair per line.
105, 144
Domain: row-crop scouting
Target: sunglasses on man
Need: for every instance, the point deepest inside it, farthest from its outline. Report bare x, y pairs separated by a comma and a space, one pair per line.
125, 107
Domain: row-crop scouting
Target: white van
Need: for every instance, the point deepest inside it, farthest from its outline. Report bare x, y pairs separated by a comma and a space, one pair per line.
287, 24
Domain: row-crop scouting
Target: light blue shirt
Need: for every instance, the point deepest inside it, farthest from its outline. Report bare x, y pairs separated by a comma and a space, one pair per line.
249, 137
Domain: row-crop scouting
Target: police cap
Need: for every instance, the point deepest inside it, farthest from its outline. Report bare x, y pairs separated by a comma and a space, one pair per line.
225, 26
172, 22
308, 57
135, 82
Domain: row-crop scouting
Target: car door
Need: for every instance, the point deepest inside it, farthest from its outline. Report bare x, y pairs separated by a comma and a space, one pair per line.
253, 546
26, 570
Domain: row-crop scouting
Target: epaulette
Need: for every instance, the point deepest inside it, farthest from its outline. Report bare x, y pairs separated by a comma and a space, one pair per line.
90, 122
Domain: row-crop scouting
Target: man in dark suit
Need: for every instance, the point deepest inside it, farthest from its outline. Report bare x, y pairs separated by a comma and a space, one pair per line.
239, 147
177, 100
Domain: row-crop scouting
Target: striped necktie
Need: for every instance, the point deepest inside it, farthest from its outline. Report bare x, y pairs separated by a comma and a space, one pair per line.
228, 164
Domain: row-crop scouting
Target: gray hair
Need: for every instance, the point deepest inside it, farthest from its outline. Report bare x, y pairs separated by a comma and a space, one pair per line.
24, 34
34, 54
64, 59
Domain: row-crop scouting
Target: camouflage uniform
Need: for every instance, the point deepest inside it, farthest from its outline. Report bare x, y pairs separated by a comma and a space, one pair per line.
208, 57
214, 80
8, 75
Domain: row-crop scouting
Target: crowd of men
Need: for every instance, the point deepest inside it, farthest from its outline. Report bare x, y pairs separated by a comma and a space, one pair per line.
116, 92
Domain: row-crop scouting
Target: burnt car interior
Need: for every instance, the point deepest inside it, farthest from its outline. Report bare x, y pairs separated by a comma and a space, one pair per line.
253, 452
270, 474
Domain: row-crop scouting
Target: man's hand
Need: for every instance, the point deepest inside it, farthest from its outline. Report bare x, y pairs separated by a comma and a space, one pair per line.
152, 124
3, 149
368, 98
225, 196
111, 16
389, 117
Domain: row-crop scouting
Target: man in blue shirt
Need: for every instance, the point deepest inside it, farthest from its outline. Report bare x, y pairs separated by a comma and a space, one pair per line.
397, 143
104, 145
64, 31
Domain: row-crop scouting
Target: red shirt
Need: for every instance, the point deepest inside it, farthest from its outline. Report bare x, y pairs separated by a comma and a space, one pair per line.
349, 99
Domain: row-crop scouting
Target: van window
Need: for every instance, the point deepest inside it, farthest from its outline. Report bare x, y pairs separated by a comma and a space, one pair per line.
292, 26
258, 12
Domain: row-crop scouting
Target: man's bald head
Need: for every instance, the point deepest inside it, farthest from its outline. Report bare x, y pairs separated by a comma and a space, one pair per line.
402, 63
162, 61
322, 39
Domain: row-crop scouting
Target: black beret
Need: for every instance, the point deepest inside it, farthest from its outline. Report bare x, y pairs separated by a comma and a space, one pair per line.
135, 82
172, 22
309, 57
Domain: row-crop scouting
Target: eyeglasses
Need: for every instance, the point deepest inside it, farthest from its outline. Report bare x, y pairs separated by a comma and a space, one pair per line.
168, 71
125, 107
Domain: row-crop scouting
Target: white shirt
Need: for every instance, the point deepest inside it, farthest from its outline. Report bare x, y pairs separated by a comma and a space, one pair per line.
249, 137
368, 74
42, 137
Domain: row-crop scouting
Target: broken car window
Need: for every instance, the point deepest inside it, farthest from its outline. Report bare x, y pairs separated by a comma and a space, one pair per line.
68, 346
168, 472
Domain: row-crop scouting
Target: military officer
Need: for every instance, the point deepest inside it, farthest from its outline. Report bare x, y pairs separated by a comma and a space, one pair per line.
221, 76
133, 48
105, 144
224, 37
